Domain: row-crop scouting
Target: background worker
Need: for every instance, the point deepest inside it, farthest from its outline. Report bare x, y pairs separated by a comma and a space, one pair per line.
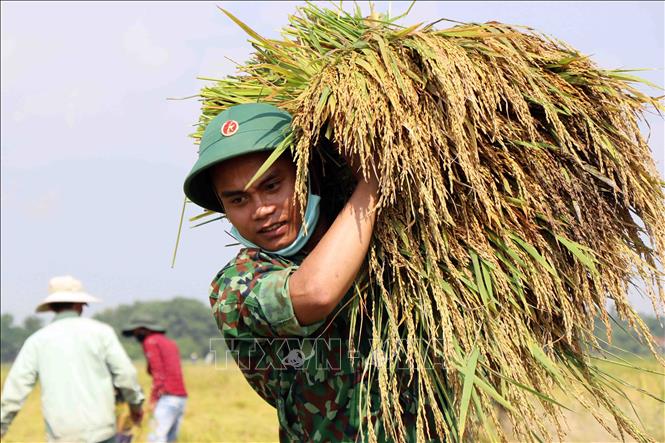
168, 397
78, 362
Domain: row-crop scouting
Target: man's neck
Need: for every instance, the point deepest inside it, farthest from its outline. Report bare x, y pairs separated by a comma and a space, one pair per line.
66, 313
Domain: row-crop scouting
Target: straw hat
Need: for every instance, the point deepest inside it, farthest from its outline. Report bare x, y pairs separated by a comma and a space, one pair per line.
65, 289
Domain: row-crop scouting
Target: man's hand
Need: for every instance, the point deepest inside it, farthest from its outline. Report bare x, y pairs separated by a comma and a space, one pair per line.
136, 413
354, 162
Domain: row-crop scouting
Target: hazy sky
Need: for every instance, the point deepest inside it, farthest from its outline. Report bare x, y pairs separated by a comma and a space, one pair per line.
94, 155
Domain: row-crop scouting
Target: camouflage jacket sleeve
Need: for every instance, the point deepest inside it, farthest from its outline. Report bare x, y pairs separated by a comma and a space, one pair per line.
250, 298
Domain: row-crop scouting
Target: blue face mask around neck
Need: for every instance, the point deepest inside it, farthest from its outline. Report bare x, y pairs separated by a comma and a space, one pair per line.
310, 220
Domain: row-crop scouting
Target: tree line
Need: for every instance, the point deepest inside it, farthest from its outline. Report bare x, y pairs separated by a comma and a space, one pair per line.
624, 341
190, 323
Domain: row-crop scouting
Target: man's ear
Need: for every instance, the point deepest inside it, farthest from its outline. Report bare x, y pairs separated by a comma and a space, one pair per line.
213, 188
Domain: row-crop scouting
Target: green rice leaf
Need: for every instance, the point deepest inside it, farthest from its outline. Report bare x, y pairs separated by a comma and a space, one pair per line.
469, 379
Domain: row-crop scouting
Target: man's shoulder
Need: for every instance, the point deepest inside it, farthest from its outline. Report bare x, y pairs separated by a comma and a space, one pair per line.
87, 326
158, 338
92, 325
249, 260
152, 339
244, 263
163, 342
36, 336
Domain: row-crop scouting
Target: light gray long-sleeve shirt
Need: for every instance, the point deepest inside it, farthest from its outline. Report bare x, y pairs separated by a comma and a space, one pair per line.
78, 361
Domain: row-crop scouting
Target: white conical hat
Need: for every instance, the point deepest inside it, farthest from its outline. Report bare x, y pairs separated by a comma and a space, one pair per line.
65, 289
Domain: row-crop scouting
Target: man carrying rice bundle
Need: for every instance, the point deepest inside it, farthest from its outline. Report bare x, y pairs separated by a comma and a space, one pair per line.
486, 191
290, 279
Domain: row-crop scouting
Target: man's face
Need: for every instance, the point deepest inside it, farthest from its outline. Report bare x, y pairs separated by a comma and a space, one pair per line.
265, 213
140, 334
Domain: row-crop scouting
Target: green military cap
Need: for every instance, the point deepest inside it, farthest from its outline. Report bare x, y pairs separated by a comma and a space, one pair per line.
142, 321
239, 130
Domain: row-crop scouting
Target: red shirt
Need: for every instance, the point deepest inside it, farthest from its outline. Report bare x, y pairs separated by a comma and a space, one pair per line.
164, 366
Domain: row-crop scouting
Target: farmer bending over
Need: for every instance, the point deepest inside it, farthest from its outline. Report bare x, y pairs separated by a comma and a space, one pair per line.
168, 395
281, 303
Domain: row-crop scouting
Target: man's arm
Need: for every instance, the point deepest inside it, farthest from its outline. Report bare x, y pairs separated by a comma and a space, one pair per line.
20, 381
123, 371
329, 270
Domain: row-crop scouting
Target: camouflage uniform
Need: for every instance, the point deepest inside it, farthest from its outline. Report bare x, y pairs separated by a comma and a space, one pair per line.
305, 372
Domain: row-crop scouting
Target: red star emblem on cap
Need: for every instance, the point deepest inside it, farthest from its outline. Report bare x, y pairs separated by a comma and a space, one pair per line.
229, 128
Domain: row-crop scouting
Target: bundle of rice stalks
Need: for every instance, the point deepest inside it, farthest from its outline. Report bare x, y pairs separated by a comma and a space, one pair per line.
517, 196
